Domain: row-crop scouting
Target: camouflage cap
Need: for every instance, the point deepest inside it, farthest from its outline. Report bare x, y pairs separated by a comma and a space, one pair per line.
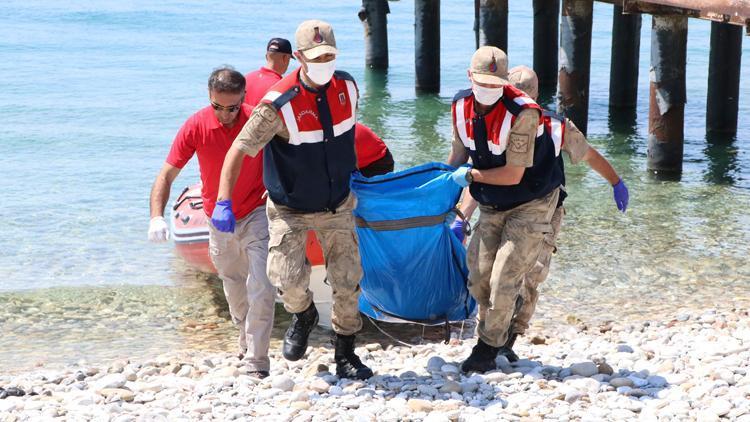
489, 65
315, 38
525, 79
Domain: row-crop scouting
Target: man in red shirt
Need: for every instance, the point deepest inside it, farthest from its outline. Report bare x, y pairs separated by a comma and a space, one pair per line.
240, 257
373, 156
278, 54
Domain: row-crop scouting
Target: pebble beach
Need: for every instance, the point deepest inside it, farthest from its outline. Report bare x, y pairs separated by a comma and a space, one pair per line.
691, 365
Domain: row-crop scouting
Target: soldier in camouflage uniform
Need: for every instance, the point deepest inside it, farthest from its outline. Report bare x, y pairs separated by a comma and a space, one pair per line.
516, 180
575, 145
304, 127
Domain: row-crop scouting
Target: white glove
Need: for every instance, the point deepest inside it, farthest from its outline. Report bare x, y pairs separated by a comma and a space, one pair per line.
158, 231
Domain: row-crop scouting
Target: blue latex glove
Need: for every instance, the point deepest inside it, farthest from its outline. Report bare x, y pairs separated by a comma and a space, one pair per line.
457, 227
223, 217
621, 195
459, 176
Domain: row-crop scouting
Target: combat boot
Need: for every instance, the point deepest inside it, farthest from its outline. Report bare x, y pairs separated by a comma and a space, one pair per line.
507, 349
348, 364
482, 358
295, 338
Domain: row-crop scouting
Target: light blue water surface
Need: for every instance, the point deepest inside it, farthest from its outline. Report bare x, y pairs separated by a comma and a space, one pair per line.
92, 93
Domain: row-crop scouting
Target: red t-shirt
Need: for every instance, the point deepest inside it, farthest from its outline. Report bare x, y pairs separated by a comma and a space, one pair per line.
203, 134
369, 147
258, 83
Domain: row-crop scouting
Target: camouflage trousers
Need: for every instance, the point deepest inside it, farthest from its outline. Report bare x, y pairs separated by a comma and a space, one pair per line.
537, 274
502, 251
289, 270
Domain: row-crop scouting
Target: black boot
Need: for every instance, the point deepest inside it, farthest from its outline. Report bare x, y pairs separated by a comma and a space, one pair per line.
348, 364
295, 339
482, 358
507, 349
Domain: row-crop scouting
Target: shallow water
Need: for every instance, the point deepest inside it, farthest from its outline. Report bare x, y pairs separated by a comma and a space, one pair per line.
93, 93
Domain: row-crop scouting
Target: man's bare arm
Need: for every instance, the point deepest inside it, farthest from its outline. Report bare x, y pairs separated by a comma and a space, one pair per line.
506, 175
601, 166
161, 189
458, 155
577, 147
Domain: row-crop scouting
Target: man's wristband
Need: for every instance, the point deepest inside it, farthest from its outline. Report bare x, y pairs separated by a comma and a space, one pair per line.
469, 177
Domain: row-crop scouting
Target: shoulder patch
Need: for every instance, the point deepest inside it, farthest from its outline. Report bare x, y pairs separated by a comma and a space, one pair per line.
462, 94
340, 74
285, 97
519, 143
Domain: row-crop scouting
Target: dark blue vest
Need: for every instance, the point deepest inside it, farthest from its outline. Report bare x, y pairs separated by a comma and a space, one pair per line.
543, 177
315, 176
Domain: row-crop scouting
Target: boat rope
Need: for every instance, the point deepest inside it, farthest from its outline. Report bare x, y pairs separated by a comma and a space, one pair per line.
403, 343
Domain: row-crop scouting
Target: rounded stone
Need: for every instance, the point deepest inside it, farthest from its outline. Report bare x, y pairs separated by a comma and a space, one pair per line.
419, 405
319, 386
435, 363
720, 407
656, 381
283, 383
621, 382
451, 387
624, 348
449, 369
604, 368
584, 369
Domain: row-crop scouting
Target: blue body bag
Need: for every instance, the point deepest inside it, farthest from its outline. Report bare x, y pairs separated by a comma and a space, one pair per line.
414, 266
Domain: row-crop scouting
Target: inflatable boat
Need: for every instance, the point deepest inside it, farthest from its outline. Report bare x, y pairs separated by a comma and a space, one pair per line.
189, 226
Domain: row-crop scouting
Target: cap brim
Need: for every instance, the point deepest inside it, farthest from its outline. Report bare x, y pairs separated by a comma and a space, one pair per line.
282, 52
319, 51
489, 79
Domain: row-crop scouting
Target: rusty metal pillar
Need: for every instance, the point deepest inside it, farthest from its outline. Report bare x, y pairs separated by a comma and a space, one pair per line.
427, 45
493, 23
546, 24
667, 97
723, 78
575, 61
623, 70
476, 24
374, 17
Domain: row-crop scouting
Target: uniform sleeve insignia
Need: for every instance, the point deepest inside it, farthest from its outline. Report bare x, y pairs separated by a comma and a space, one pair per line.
342, 98
519, 142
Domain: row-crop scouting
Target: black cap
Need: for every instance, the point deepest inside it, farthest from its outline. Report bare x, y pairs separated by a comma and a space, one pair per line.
279, 45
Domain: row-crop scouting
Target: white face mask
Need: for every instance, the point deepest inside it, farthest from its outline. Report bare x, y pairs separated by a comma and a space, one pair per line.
486, 96
321, 73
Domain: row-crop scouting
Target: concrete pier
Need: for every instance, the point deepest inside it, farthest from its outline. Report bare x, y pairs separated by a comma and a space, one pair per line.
575, 61
374, 17
722, 101
493, 23
623, 74
427, 45
667, 94
546, 27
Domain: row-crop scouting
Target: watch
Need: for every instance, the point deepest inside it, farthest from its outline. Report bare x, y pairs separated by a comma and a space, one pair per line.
469, 177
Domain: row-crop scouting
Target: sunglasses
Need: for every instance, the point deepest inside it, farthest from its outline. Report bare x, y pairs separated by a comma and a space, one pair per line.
231, 109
